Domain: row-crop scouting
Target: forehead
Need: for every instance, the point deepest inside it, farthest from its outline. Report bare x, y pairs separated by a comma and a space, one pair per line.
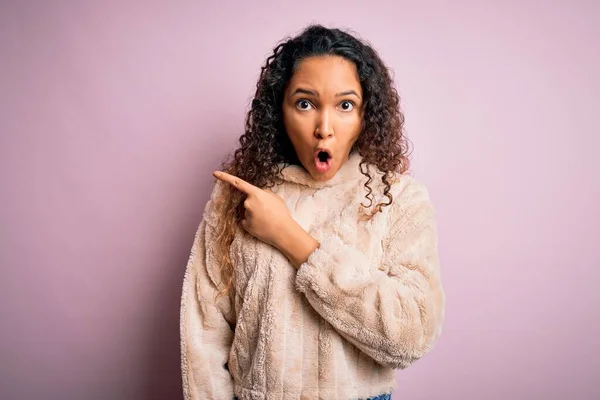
326, 74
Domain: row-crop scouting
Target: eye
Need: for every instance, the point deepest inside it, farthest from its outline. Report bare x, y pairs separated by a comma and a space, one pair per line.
347, 105
303, 104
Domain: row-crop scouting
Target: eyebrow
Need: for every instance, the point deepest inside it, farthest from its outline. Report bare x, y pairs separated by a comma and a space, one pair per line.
313, 93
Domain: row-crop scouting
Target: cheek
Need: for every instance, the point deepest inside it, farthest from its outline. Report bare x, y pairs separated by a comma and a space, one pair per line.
350, 126
298, 125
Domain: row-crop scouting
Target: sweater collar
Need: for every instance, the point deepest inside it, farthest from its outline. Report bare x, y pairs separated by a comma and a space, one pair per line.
350, 170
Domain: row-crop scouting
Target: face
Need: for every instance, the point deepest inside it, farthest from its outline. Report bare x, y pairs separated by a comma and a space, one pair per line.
322, 113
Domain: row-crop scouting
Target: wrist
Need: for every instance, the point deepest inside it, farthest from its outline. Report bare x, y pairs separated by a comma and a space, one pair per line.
296, 244
288, 234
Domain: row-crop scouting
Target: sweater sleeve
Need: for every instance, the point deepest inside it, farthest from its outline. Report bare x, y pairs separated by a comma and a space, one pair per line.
393, 312
205, 333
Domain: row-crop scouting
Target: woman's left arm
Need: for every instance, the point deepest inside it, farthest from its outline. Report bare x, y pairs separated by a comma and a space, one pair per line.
393, 313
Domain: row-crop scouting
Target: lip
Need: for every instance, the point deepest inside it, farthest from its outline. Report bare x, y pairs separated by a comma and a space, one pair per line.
322, 167
320, 149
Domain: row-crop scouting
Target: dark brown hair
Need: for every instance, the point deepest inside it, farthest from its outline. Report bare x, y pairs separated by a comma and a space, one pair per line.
265, 146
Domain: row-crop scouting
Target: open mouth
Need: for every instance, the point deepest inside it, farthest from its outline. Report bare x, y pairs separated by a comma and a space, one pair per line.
323, 160
323, 156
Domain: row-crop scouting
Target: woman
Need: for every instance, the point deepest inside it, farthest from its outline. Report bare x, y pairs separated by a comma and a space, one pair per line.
314, 272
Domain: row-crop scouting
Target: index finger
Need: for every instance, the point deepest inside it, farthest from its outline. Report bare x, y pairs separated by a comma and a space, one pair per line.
236, 182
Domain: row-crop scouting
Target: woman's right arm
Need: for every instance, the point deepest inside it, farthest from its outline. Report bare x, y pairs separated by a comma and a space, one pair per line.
205, 333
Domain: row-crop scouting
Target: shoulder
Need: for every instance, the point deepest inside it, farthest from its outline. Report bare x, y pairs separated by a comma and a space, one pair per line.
408, 189
404, 187
411, 218
411, 200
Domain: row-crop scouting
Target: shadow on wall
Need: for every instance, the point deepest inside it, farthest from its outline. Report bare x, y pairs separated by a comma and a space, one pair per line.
161, 369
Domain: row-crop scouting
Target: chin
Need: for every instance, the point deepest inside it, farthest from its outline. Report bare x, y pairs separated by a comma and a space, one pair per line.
323, 177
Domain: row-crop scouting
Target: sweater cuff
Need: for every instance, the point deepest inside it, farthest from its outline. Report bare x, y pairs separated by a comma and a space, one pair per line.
331, 264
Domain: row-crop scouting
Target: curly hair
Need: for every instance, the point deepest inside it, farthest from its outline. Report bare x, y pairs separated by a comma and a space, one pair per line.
265, 147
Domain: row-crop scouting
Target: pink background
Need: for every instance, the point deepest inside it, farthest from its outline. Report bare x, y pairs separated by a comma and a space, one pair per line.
114, 114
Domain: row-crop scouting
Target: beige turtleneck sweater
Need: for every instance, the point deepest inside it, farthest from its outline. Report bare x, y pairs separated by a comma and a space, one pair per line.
369, 300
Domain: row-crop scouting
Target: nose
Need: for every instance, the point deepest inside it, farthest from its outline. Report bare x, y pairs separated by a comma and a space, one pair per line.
324, 129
